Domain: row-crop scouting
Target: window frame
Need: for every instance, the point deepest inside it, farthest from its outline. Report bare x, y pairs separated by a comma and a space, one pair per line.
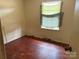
60, 16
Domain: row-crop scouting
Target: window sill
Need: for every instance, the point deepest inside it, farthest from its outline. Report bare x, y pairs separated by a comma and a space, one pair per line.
55, 28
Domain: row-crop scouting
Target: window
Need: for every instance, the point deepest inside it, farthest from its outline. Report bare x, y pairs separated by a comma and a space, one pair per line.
51, 15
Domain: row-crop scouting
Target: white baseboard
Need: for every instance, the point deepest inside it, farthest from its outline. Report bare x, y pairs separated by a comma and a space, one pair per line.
71, 55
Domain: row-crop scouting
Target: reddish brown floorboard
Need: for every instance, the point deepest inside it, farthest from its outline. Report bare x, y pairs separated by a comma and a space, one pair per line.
29, 48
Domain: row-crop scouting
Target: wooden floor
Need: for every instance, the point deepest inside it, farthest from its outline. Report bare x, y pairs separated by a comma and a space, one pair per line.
29, 48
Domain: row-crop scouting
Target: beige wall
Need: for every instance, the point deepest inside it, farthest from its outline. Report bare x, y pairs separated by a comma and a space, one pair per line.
16, 22
1, 45
75, 31
12, 23
32, 8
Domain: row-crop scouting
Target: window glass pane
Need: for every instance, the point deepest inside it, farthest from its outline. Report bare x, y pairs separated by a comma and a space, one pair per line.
50, 8
50, 22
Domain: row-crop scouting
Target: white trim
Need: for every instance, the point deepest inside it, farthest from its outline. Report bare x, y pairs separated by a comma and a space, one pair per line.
53, 28
52, 3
